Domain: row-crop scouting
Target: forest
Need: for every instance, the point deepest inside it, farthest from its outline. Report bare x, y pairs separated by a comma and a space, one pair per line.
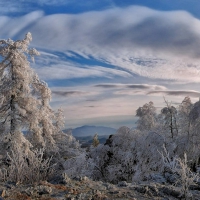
164, 147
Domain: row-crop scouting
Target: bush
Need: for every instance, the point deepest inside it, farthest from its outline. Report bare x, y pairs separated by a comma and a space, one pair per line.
20, 168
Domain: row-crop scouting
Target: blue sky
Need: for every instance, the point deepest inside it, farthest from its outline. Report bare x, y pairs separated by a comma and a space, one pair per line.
103, 59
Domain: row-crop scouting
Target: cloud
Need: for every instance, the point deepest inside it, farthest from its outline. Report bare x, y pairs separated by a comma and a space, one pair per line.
70, 71
147, 89
20, 7
82, 92
68, 93
121, 29
136, 40
190, 93
12, 27
52, 2
57, 66
132, 86
131, 89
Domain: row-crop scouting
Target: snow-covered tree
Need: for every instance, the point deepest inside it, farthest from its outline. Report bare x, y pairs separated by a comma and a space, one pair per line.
184, 116
169, 114
147, 116
16, 101
28, 125
24, 100
116, 159
95, 140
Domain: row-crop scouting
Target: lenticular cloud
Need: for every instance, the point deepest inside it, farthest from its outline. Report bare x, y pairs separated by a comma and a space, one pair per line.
137, 39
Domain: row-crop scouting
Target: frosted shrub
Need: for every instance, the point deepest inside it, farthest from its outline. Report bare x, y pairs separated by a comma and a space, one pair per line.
115, 160
78, 166
148, 159
180, 167
187, 177
26, 169
100, 157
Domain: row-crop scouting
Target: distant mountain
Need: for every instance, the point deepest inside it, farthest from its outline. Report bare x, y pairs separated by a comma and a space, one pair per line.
91, 130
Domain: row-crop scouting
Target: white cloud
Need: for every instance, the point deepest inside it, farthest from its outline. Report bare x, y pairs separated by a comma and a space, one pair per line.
50, 66
70, 71
121, 30
139, 40
12, 27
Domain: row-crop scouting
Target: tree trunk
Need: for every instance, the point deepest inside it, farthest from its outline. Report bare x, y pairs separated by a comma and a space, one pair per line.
13, 118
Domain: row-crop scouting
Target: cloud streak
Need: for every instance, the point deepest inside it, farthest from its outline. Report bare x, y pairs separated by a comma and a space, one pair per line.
190, 93
147, 89
68, 93
132, 86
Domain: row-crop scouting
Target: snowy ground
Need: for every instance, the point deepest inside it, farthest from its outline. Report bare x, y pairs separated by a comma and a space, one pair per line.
85, 189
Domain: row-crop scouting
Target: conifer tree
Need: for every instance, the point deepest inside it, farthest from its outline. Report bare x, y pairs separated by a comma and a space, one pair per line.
24, 100
95, 140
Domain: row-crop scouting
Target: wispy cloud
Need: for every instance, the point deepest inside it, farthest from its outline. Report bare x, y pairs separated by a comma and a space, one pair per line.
70, 71
12, 27
57, 66
147, 89
133, 86
20, 7
51, 2
68, 93
182, 93
82, 92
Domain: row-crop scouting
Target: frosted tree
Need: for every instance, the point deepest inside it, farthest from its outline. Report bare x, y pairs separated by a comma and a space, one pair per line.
95, 140
184, 116
194, 136
169, 114
116, 159
180, 167
24, 100
147, 116
147, 156
15, 98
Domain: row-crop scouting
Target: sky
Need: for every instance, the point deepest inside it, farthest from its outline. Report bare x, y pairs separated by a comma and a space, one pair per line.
102, 59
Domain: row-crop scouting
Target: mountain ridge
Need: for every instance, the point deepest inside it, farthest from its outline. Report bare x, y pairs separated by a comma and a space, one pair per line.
88, 130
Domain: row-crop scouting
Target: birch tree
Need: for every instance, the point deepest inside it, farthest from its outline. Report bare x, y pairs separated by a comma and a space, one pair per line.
147, 116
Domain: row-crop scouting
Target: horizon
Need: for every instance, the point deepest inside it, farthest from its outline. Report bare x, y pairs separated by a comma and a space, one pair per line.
104, 59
